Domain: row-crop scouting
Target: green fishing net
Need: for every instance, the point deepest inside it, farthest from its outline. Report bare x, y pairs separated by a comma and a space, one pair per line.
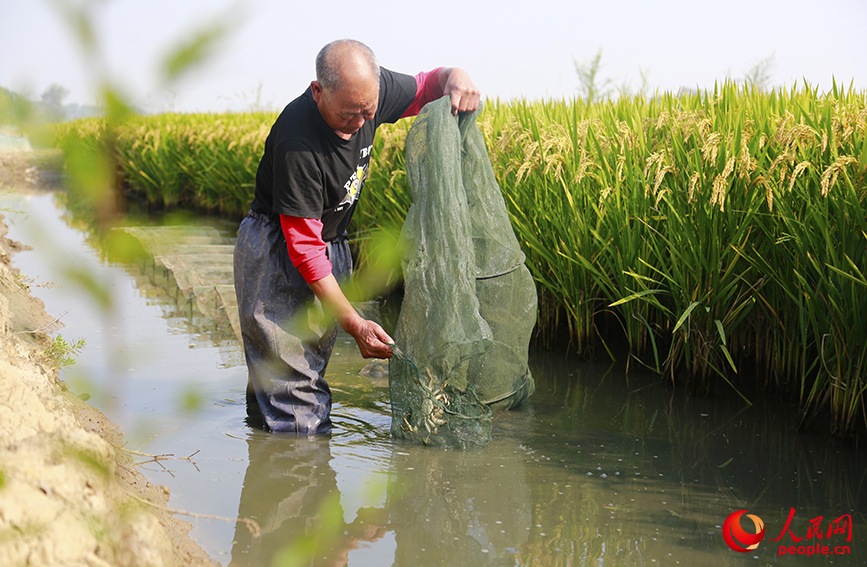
469, 301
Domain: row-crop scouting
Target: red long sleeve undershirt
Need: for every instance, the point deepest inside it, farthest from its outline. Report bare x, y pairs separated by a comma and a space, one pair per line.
306, 247
304, 236
427, 89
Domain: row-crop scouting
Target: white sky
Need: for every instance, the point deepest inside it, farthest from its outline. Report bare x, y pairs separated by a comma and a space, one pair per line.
511, 49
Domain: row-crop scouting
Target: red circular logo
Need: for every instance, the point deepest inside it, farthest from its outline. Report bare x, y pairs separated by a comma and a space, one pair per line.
737, 538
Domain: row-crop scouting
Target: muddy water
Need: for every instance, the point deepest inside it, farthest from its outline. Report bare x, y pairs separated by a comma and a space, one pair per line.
596, 470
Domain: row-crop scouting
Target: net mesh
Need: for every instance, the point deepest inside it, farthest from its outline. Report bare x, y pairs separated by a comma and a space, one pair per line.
469, 301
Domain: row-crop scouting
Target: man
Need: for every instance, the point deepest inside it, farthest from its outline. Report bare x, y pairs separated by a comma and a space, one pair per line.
292, 247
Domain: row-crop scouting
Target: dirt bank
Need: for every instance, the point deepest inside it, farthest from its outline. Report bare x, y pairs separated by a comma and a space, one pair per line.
69, 495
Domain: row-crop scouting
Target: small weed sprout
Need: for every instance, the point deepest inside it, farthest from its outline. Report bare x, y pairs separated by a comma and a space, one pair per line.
60, 354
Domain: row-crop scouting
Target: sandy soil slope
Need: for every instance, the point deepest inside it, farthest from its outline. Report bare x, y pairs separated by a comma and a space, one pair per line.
69, 495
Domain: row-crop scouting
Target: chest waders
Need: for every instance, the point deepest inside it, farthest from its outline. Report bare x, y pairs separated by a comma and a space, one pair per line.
287, 337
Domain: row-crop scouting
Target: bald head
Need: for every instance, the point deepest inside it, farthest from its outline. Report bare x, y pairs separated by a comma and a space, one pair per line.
346, 89
346, 63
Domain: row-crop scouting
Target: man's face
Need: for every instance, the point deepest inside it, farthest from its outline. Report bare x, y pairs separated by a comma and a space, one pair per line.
346, 109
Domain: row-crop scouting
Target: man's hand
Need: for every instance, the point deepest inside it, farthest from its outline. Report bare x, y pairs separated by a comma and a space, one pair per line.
464, 94
372, 340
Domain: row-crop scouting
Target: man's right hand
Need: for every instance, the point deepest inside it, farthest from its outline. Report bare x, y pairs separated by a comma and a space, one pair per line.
372, 340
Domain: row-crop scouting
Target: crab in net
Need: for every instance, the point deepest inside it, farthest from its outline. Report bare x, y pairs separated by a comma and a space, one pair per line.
433, 404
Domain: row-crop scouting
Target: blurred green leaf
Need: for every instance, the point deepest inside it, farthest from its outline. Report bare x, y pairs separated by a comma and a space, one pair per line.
86, 279
179, 217
121, 246
191, 400
90, 458
117, 111
317, 543
90, 173
78, 19
15, 108
195, 49
381, 266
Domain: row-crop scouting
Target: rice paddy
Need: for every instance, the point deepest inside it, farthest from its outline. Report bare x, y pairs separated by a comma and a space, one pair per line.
717, 238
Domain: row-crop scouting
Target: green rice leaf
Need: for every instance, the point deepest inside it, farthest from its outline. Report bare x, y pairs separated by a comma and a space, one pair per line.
683, 317
634, 296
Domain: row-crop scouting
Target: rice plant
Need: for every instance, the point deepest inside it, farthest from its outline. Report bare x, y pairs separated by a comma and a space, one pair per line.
718, 237
202, 161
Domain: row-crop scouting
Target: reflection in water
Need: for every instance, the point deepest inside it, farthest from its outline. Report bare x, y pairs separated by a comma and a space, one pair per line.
291, 491
458, 507
443, 507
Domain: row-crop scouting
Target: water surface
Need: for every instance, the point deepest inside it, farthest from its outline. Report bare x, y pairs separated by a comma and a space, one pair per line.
597, 469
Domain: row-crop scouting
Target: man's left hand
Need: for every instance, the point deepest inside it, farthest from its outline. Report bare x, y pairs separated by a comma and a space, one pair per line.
463, 92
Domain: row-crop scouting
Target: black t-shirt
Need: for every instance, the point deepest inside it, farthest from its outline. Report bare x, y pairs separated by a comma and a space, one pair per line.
309, 171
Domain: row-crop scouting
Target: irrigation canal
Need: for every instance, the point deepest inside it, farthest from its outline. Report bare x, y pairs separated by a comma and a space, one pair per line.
596, 470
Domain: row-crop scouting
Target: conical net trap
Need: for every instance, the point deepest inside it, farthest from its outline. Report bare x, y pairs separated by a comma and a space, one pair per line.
469, 303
